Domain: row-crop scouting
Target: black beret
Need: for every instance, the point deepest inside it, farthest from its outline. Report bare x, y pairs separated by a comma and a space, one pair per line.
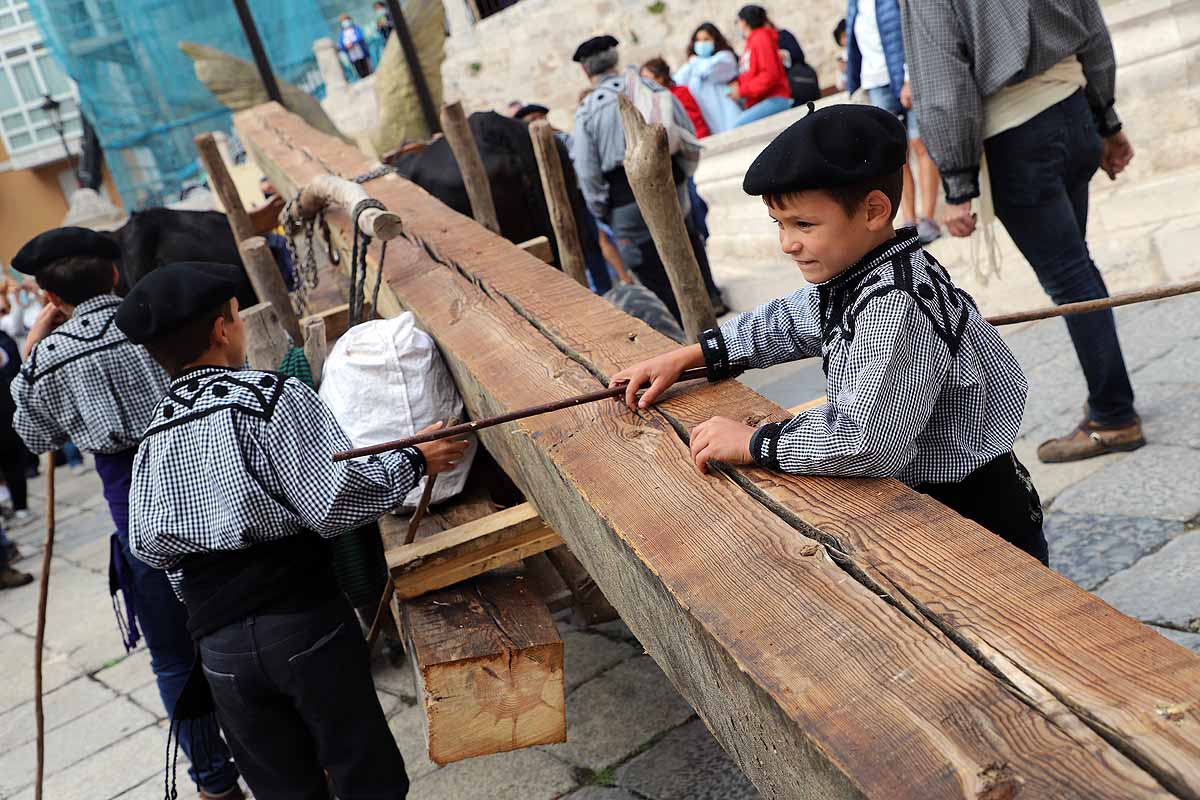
44, 249
596, 44
532, 108
175, 294
832, 146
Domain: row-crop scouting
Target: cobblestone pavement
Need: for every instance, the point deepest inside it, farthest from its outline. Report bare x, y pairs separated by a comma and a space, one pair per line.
1123, 526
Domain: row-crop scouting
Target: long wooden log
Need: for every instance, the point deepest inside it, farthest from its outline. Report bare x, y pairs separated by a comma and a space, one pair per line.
648, 167
470, 164
554, 186
256, 256
817, 687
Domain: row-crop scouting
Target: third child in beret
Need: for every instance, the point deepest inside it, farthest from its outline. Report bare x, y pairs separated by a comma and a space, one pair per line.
919, 386
234, 494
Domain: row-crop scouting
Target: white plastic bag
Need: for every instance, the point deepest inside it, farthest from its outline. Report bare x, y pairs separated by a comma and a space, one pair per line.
385, 380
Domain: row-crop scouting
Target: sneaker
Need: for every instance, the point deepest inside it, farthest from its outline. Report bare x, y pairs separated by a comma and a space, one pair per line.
22, 516
928, 231
1089, 440
234, 793
11, 578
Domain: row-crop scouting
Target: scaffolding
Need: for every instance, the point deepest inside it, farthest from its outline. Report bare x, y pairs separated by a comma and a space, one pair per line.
140, 91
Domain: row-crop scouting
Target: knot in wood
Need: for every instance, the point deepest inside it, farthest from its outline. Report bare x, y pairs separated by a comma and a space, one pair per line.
999, 782
1170, 712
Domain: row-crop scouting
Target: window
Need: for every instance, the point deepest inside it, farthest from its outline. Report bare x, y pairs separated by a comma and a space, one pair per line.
14, 13
485, 8
27, 75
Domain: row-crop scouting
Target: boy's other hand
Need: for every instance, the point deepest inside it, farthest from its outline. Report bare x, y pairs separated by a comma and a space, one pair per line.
659, 372
441, 455
721, 439
50, 317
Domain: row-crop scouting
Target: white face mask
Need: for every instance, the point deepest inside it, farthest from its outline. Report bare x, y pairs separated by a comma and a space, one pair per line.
346, 23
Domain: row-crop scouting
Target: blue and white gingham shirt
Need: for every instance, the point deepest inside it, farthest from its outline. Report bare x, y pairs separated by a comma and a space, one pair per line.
919, 386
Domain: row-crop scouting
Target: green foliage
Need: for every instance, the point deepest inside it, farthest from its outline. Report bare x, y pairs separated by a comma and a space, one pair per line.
657, 7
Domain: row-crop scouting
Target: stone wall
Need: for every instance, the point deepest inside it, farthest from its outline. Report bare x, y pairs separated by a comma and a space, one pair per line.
524, 52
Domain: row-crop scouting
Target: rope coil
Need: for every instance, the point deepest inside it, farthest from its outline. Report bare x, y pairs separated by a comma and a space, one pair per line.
358, 263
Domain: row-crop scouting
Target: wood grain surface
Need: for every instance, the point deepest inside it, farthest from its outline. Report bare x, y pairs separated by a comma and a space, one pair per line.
817, 685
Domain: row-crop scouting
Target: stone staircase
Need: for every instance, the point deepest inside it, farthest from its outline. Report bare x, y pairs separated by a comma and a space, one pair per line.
1144, 228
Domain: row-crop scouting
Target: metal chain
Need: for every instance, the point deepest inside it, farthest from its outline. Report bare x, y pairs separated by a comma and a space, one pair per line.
377, 172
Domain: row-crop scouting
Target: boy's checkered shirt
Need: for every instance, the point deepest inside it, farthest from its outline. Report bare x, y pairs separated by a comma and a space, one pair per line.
919, 386
232, 458
87, 383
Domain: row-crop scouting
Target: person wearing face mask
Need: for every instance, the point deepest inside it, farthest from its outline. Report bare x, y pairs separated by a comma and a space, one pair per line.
352, 42
711, 66
762, 87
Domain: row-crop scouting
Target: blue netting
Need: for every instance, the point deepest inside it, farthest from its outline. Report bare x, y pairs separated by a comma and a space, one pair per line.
140, 91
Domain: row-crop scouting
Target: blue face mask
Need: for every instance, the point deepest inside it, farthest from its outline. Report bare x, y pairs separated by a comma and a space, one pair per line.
704, 49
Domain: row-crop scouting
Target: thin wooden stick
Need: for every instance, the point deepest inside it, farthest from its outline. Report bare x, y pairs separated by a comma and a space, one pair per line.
40, 640
478, 425
470, 164
558, 202
1086, 306
390, 589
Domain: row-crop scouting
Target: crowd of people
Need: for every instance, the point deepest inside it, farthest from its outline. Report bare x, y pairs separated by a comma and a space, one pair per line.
357, 47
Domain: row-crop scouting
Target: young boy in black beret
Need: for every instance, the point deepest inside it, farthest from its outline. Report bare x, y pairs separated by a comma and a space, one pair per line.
234, 491
85, 382
919, 386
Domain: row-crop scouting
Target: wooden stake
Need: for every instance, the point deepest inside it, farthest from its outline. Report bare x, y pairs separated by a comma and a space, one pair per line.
315, 348
260, 264
40, 639
470, 164
648, 167
266, 344
562, 216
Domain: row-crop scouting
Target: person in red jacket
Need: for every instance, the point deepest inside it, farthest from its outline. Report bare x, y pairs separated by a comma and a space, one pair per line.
657, 70
762, 87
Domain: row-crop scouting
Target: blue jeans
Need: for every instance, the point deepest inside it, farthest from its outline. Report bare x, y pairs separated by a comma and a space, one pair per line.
1040, 173
163, 620
883, 97
763, 109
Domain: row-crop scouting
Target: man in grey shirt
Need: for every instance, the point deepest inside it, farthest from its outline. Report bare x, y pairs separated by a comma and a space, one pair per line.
1031, 83
598, 155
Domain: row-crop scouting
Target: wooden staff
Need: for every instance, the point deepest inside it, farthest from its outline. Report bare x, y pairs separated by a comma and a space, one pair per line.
1086, 306
648, 167
558, 202
390, 589
466, 153
324, 191
40, 639
478, 425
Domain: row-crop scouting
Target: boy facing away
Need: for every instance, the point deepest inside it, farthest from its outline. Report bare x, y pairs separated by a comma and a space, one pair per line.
234, 492
919, 386
85, 382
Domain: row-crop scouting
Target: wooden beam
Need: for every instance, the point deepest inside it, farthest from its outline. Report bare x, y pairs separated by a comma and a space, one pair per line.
470, 164
539, 247
558, 202
766, 598
266, 343
452, 556
259, 263
816, 401
488, 664
648, 167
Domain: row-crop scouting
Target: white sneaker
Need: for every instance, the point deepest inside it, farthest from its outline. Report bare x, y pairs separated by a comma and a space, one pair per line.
22, 516
77, 469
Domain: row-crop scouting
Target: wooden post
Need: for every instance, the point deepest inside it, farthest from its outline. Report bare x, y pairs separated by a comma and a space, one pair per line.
558, 202
265, 343
648, 167
315, 348
466, 153
268, 283
263, 272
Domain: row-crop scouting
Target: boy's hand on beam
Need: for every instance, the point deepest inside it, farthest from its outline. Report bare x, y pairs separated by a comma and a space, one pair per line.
721, 439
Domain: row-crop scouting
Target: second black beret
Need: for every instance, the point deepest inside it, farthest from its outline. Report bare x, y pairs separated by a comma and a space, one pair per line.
59, 243
173, 295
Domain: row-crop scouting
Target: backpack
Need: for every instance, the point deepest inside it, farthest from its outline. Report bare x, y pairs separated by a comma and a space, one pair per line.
658, 107
803, 82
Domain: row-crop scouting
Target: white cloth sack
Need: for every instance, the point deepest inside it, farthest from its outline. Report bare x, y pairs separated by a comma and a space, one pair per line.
386, 380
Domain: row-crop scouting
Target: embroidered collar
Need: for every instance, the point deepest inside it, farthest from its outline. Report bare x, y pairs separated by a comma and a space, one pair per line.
198, 373
94, 304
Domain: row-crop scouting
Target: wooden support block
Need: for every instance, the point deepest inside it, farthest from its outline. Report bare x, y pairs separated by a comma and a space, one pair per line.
841, 638
266, 341
449, 557
315, 348
488, 664
539, 246
337, 320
